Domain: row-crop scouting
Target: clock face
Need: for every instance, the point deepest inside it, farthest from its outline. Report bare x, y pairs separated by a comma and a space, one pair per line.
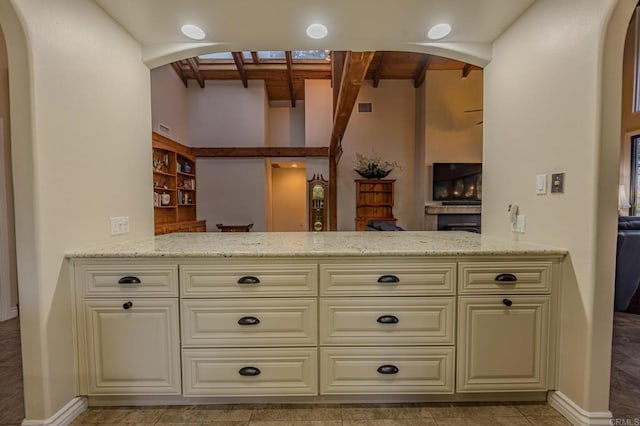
318, 192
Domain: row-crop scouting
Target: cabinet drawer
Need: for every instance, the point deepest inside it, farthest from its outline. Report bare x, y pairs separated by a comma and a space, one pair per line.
249, 322
121, 278
503, 343
391, 278
245, 372
505, 277
248, 280
397, 370
132, 349
380, 321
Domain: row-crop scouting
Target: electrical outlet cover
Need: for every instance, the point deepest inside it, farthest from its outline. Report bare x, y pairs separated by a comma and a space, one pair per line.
557, 183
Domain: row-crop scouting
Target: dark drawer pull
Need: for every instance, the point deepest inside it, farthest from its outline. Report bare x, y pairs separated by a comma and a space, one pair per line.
249, 280
249, 371
506, 278
388, 369
388, 279
248, 321
127, 305
388, 319
129, 280
507, 302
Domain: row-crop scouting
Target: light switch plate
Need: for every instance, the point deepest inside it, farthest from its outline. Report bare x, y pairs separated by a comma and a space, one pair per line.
541, 184
557, 183
119, 225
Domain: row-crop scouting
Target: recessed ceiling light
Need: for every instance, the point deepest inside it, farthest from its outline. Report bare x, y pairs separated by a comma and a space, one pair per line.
193, 32
439, 31
317, 31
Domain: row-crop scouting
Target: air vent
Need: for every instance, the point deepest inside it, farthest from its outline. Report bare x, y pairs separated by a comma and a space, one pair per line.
365, 107
164, 129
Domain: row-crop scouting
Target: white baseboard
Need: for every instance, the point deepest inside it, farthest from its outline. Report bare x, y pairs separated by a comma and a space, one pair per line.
576, 414
64, 416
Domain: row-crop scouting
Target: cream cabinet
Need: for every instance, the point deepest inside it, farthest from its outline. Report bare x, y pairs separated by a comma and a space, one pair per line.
127, 327
503, 343
335, 327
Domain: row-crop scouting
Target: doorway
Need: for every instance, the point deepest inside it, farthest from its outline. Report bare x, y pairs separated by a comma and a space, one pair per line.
288, 196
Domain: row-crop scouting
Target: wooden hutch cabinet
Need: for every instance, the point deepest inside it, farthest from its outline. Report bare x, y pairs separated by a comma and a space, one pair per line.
174, 187
374, 201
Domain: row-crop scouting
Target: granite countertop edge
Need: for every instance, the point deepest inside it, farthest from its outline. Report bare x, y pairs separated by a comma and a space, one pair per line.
310, 245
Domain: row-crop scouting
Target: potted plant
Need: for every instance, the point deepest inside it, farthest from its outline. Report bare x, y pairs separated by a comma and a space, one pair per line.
373, 167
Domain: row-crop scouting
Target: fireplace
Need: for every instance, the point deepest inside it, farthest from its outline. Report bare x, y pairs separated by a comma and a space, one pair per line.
459, 222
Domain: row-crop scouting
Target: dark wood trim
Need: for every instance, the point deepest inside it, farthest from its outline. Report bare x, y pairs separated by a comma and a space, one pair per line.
193, 64
356, 65
292, 90
178, 69
377, 75
254, 56
260, 152
337, 65
466, 70
333, 194
421, 72
239, 61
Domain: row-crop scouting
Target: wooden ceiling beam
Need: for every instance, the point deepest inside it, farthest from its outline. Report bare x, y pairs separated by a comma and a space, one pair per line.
178, 69
260, 152
239, 61
466, 70
255, 57
355, 69
193, 64
421, 72
377, 75
292, 90
337, 65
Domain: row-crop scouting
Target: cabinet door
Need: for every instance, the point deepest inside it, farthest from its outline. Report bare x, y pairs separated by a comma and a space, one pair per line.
502, 343
132, 349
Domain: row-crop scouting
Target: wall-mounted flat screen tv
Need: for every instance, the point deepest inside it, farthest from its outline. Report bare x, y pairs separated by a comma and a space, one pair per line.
458, 183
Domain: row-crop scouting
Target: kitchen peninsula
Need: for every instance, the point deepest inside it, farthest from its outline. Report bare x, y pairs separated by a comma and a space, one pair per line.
316, 316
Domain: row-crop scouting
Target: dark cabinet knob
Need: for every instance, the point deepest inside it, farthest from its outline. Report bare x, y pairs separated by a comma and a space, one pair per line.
507, 302
388, 319
248, 279
388, 369
506, 278
249, 371
388, 279
127, 305
248, 321
129, 280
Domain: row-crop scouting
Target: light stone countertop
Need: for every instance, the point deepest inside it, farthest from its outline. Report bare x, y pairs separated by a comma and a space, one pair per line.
310, 244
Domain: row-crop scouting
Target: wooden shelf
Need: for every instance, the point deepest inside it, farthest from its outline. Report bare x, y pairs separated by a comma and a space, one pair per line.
374, 201
178, 216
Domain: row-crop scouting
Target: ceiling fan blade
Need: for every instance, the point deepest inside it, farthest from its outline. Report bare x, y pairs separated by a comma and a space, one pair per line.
474, 110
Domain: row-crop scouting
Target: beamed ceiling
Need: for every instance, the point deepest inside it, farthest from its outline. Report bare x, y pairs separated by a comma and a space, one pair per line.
284, 78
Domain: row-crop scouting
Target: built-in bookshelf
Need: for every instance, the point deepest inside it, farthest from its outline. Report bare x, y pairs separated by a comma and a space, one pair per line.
174, 187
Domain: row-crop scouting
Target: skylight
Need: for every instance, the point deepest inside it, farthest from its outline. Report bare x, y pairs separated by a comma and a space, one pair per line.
225, 56
271, 54
310, 55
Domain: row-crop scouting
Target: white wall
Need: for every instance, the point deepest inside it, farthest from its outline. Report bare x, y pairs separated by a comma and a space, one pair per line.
286, 124
388, 131
6, 180
318, 118
169, 103
231, 191
452, 135
289, 186
224, 114
90, 117
542, 115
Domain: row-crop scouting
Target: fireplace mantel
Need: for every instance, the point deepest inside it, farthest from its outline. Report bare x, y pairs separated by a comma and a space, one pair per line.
431, 213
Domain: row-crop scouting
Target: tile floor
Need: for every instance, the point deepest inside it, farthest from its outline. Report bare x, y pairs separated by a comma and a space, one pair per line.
329, 415
625, 399
11, 399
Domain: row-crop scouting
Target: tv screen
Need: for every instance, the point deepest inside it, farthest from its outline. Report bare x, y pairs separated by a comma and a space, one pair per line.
457, 182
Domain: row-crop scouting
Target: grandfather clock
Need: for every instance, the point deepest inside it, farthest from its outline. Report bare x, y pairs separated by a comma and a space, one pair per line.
318, 193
